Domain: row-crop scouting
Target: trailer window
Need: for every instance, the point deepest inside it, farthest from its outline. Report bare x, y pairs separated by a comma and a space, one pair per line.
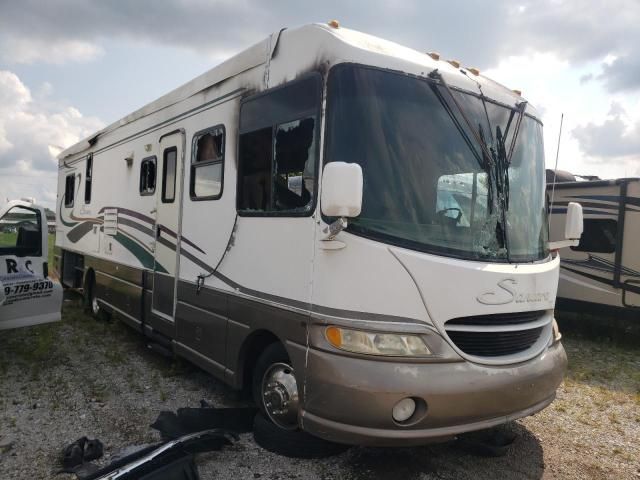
277, 150
148, 176
207, 166
169, 175
69, 187
21, 233
88, 177
599, 236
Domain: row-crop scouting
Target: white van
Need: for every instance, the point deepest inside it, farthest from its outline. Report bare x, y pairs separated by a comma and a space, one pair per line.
28, 296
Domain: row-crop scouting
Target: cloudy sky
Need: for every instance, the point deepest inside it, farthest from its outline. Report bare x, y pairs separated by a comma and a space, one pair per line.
69, 67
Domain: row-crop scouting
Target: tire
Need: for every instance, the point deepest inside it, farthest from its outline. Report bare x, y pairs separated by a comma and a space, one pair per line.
91, 304
286, 440
292, 443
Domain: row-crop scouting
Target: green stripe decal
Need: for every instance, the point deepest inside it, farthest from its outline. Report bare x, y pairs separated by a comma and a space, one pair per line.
144, 257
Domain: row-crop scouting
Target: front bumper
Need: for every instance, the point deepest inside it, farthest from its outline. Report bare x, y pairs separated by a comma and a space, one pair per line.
349, 400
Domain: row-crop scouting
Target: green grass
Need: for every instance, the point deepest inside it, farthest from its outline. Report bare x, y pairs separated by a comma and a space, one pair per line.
8, 239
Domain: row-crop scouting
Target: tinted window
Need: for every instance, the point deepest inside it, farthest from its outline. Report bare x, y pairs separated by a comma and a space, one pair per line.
169, 175
69, 188
207, 167
277, 150
88, 179
598, 236
148, 176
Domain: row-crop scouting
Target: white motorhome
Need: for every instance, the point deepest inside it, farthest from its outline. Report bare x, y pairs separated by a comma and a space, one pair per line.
28, 296
352, 229
602, 273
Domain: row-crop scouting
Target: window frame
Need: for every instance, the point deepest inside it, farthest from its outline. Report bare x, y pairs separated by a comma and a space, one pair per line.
88, 179
154, 160
163, 192
317, 113
13, 250
69, 204
194, 165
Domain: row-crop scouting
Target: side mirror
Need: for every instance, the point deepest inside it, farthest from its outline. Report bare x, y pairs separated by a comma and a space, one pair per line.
341, 189
574, 223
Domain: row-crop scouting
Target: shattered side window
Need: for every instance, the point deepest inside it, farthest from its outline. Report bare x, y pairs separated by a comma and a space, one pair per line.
294, 165
207, 166
148, 176
278, 150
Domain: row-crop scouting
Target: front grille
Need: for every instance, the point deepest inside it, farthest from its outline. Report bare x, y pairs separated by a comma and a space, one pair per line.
495, 344
498, 334
512, 318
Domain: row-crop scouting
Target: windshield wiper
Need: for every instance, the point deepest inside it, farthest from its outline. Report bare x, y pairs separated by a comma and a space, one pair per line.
486, 155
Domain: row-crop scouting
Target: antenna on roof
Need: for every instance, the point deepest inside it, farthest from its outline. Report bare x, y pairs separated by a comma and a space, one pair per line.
555, 169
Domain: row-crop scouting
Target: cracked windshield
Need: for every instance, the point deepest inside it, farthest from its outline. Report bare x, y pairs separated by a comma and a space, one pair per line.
427, 184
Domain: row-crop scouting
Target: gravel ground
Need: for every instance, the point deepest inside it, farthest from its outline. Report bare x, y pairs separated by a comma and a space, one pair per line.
83, 377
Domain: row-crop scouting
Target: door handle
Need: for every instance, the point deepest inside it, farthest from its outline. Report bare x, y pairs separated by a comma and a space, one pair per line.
158, 231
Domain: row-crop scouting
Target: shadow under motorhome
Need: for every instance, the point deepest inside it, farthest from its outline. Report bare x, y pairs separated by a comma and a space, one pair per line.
204, 220
602, 273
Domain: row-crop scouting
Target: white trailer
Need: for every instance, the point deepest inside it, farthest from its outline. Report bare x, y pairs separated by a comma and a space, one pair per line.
602, 273
354, 230
28, 296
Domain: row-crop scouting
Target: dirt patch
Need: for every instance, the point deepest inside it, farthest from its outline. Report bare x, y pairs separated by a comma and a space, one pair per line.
81, 377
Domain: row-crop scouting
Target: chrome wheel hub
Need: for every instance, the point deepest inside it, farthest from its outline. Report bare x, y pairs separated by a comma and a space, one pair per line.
280, 395
95, 308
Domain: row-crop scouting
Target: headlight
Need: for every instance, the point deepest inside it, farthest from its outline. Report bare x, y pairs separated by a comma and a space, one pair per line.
556, 332
371, 343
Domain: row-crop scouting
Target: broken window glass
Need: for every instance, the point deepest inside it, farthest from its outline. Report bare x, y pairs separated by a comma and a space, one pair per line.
277, 150
148, 176
207, 166
294, 165
419, 171
255, 171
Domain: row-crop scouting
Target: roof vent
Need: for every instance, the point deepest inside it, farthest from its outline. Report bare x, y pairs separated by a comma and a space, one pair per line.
333, 23
455, 63
474, 70
517, 92
434, 55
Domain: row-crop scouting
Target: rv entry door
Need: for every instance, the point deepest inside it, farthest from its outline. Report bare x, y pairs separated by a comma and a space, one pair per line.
168, 223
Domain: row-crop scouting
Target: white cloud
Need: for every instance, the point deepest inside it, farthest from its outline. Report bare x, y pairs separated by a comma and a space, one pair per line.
31, 134
556, 87
29, 50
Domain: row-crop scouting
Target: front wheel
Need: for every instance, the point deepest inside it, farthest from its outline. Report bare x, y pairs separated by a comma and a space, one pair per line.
275, 391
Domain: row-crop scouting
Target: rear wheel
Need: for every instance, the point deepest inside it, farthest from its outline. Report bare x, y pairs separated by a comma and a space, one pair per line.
275, 391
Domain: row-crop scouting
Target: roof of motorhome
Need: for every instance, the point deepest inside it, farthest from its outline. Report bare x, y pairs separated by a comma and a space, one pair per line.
593, 183
261, 52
